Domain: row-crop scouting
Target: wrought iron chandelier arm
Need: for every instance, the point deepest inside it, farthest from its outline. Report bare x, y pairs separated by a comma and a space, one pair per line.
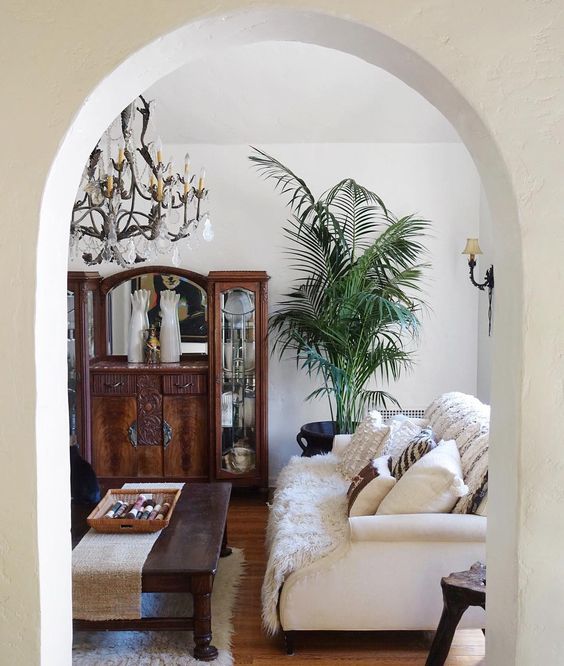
95, 232
133, 228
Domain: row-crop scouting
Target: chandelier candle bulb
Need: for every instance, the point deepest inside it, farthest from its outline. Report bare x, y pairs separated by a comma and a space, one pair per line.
110, 184
201, 180
159, 151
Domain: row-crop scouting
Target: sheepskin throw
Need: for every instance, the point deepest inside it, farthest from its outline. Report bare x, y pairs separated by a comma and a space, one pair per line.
365, 445
308, 520
465, 419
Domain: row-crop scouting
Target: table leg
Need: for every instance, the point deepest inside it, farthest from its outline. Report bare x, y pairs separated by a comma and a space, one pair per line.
201, 591
452, 612
225, 549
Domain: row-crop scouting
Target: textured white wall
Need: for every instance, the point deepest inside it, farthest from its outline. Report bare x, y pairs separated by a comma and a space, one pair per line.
438, 181
495, 69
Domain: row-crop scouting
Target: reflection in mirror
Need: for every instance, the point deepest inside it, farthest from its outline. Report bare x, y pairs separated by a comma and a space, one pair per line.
192, 311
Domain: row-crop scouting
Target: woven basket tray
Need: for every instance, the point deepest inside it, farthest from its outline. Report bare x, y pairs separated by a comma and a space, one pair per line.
97, 521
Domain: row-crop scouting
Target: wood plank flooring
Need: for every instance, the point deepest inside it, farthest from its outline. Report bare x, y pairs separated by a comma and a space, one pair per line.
247, 522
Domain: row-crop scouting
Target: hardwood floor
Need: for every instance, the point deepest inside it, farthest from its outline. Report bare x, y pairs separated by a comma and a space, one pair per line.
247, 522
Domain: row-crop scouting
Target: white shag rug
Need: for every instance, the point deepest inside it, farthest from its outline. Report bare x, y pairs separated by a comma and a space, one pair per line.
307, 521
167, 648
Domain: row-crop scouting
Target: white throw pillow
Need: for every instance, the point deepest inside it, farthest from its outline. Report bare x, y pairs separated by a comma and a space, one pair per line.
365, 445
432, 485
401, 434
370, 486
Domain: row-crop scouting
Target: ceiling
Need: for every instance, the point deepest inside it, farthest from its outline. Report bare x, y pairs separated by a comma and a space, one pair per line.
289, 92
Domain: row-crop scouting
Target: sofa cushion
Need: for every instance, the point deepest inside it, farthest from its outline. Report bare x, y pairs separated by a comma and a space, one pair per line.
365, 445
418, 446
474, 455
464, 418
432, 485
369, 487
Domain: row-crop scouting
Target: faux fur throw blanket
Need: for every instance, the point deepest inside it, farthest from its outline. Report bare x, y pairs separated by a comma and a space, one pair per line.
307, 521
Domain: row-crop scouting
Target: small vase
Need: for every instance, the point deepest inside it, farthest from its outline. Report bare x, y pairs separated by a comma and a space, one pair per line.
138, 325
170, 327
152, 347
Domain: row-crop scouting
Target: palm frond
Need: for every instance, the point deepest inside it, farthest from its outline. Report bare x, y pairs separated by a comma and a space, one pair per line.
352, 314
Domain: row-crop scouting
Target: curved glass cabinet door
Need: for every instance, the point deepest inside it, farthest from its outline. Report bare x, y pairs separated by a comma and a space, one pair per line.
238, 381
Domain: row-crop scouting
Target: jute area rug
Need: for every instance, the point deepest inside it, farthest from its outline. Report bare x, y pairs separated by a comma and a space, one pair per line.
167, 648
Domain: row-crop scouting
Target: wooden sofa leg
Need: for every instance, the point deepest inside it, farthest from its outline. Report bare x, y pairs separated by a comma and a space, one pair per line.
289, 642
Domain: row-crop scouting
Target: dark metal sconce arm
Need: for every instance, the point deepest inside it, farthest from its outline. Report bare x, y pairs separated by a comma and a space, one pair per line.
488, 284
489, 278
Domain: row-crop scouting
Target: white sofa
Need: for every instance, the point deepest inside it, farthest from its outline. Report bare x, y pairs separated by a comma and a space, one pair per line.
386, 576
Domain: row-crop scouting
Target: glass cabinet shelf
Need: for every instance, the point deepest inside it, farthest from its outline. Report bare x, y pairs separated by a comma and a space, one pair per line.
238, 377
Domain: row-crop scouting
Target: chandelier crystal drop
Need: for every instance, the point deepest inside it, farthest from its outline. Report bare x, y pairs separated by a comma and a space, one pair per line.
132, 204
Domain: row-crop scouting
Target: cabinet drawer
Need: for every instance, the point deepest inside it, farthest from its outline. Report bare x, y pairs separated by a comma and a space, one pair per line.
180, 384
113, 384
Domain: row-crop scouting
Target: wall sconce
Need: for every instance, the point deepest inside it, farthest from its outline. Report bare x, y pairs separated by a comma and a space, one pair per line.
472, 249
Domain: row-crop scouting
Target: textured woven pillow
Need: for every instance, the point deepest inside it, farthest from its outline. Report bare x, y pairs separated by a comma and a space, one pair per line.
474, 455
421, 444
364, 446
369, 487
432, 485
401, 434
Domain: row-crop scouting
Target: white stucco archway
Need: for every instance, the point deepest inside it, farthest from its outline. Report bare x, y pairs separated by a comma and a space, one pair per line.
134, 75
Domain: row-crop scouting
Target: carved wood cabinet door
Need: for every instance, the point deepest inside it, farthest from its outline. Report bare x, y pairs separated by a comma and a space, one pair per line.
150, 425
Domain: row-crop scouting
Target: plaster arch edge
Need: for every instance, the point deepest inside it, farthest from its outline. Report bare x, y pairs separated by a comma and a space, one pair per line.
139, 71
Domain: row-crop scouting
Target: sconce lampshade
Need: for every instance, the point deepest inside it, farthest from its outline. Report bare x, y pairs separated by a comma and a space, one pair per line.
472, 247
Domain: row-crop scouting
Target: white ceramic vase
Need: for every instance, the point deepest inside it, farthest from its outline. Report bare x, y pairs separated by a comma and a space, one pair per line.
170, 327
138, 325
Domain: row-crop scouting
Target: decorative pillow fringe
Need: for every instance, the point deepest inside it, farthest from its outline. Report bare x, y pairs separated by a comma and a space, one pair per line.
458, 487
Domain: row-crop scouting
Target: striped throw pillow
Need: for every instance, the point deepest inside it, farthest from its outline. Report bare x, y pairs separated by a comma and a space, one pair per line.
421, 444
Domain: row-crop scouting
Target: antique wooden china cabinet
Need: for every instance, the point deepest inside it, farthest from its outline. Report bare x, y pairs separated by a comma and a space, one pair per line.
204, 418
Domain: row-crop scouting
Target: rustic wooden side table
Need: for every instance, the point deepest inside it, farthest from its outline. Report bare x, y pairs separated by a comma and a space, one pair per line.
460, 590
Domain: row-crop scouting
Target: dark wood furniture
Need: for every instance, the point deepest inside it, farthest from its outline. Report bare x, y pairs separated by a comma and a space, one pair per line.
239, 376
82, 346
460, 590
165, 420
150, 421
183, 559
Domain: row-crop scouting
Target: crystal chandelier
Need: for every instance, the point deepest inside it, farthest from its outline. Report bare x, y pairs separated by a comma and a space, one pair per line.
131, 204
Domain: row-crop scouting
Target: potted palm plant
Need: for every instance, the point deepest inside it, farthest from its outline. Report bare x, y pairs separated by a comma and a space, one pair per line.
353, 311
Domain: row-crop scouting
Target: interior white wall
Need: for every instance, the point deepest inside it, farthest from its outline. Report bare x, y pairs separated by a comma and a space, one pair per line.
496, 85
437, 181
485, 345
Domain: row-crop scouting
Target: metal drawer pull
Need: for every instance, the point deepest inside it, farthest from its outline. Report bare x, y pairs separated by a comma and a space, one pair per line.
110, 385
183, 386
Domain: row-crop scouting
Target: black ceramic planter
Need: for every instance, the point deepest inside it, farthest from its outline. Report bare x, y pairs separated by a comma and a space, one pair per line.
317, 437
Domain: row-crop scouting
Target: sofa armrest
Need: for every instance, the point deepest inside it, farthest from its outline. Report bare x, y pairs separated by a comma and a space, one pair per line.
340, 443
436, 527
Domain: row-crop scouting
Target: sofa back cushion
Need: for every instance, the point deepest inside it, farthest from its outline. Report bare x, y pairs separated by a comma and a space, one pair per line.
466, 420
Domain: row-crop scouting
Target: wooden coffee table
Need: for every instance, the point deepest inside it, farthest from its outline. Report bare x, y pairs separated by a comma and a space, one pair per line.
183, 559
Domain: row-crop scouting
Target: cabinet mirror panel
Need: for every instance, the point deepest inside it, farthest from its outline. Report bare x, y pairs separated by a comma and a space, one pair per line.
238, 417
192, 311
